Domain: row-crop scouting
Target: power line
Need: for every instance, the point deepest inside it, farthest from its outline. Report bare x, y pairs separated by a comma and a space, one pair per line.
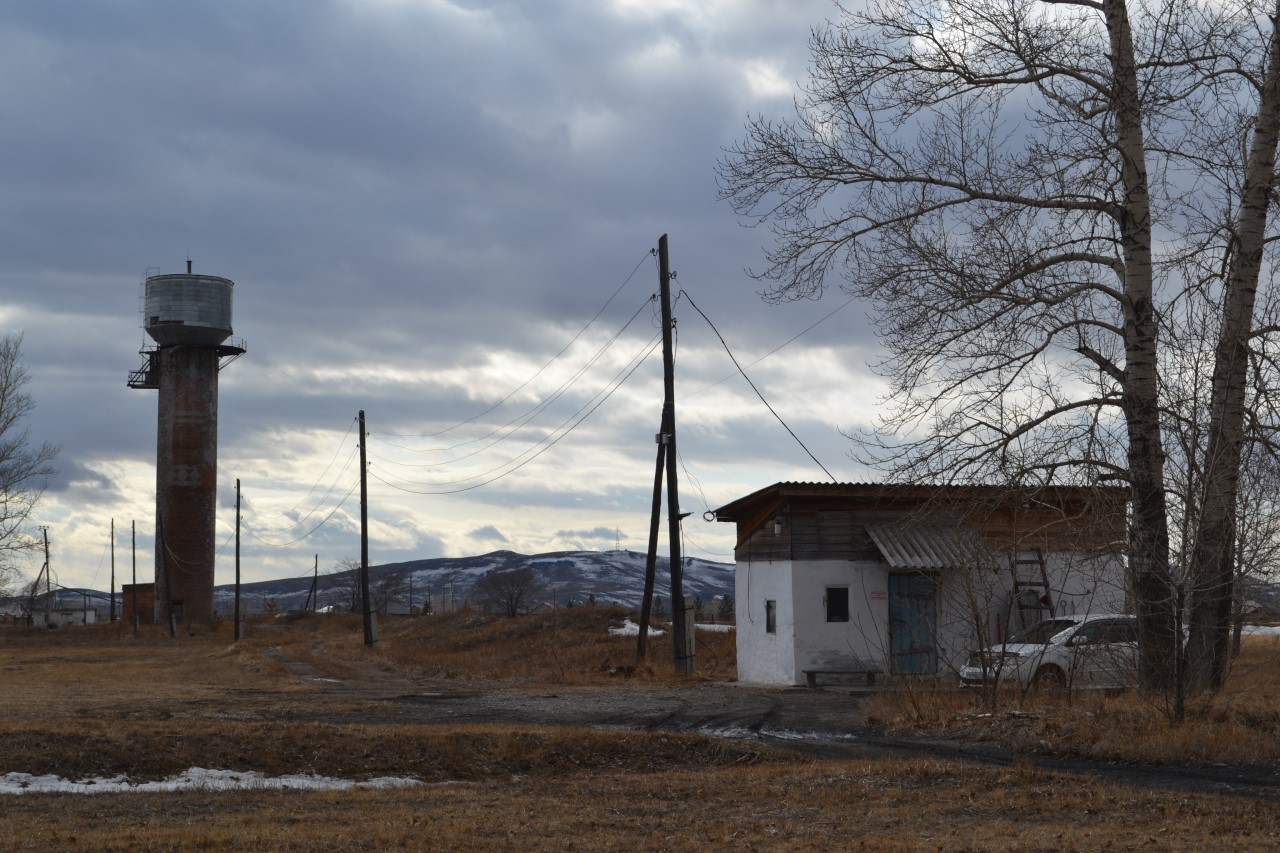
342, 443
757, 390
548, 444
322, 523
540, 370
328, 493
520, 420
787, 342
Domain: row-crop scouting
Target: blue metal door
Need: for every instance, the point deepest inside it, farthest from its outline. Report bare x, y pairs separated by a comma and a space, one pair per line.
913, 624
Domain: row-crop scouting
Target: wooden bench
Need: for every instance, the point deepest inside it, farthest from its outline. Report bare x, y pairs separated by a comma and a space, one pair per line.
868, 672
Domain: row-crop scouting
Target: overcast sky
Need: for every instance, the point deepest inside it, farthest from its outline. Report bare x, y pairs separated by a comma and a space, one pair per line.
422, 203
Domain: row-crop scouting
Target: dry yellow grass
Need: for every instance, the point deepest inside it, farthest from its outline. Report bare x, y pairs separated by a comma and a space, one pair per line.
1239, 725
568, 646
103, 702
881, 806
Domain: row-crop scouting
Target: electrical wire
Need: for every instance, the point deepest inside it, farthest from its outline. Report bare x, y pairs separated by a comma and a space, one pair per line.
520, 420
692, 479
320, 479
787, 342
548, 446
636, 360
284, 530
757, 390
322, 523
518, 388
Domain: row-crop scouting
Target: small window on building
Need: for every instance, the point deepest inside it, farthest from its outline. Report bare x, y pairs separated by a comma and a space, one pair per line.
837, 600
771, 617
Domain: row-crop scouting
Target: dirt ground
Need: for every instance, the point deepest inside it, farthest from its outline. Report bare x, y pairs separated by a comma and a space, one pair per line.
824, 723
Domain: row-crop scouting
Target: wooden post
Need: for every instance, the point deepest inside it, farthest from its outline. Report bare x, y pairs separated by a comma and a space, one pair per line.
683, 655
113, 571
48, 581
370, 633
133, 526
651, 556
239, 619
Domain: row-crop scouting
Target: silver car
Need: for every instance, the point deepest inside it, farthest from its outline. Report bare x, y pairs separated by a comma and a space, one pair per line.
1098, 650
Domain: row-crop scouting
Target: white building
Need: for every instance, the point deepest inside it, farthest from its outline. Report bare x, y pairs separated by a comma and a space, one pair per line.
65, 616
909, 579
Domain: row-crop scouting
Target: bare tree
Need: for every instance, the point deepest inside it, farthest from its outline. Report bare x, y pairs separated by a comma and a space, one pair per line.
1013, 187
343, 580
24, 467
384, 587
510, 592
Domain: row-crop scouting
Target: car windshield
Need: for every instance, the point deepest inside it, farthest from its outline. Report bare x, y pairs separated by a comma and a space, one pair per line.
1043, 632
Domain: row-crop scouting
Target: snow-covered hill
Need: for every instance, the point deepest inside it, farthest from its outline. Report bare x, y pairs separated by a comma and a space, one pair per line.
609, 576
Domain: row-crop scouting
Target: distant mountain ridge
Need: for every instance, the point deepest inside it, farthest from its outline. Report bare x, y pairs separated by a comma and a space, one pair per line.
608, 576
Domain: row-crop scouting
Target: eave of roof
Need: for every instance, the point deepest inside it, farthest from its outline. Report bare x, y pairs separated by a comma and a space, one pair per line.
779, 492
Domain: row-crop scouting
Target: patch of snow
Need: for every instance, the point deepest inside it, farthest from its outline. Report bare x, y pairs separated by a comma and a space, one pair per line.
631, 629
715, 628
195, 779
1260, 630
740, 733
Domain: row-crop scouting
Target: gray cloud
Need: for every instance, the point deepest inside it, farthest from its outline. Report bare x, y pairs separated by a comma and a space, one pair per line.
420, 204
488, 533
602, 533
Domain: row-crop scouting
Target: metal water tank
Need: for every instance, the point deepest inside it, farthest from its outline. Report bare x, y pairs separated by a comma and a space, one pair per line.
188, 310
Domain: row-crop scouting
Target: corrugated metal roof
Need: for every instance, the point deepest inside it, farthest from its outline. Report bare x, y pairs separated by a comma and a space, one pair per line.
929, 546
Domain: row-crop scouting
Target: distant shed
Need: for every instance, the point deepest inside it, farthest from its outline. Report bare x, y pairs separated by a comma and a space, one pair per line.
139, 599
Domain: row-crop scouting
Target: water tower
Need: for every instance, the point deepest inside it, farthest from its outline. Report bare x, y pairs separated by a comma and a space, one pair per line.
189, 318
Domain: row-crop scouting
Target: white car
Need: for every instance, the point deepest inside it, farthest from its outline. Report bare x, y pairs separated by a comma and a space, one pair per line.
1098, 650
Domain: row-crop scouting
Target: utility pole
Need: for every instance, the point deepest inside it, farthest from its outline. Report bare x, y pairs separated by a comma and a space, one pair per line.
680, 635
48, 580
133, 525
113, 571
370, 631
315, 585
239, 624
651, 556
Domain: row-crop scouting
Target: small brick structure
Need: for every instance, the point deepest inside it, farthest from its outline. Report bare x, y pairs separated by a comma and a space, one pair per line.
145, 595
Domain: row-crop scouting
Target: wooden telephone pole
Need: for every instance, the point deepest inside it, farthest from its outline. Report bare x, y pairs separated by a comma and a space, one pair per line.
370, 628
238, 632
680, 634
113, 571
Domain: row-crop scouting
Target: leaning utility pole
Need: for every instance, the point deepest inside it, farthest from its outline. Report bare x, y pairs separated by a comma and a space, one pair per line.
370, 632
682, 649
48, 581
651, 556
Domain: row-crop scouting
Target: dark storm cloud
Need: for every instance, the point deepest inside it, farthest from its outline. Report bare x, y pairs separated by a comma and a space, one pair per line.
420, 203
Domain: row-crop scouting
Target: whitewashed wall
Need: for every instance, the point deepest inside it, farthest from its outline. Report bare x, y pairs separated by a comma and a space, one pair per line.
805, 640
764, 658
865, 637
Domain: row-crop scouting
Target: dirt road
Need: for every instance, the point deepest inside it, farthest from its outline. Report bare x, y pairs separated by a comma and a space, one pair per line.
824, 724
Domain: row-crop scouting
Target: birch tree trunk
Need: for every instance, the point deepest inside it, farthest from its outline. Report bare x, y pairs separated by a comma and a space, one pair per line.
1213, 565
1148, 532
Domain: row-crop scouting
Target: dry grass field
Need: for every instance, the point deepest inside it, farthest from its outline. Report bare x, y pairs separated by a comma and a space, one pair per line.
1240, 725
306, 697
